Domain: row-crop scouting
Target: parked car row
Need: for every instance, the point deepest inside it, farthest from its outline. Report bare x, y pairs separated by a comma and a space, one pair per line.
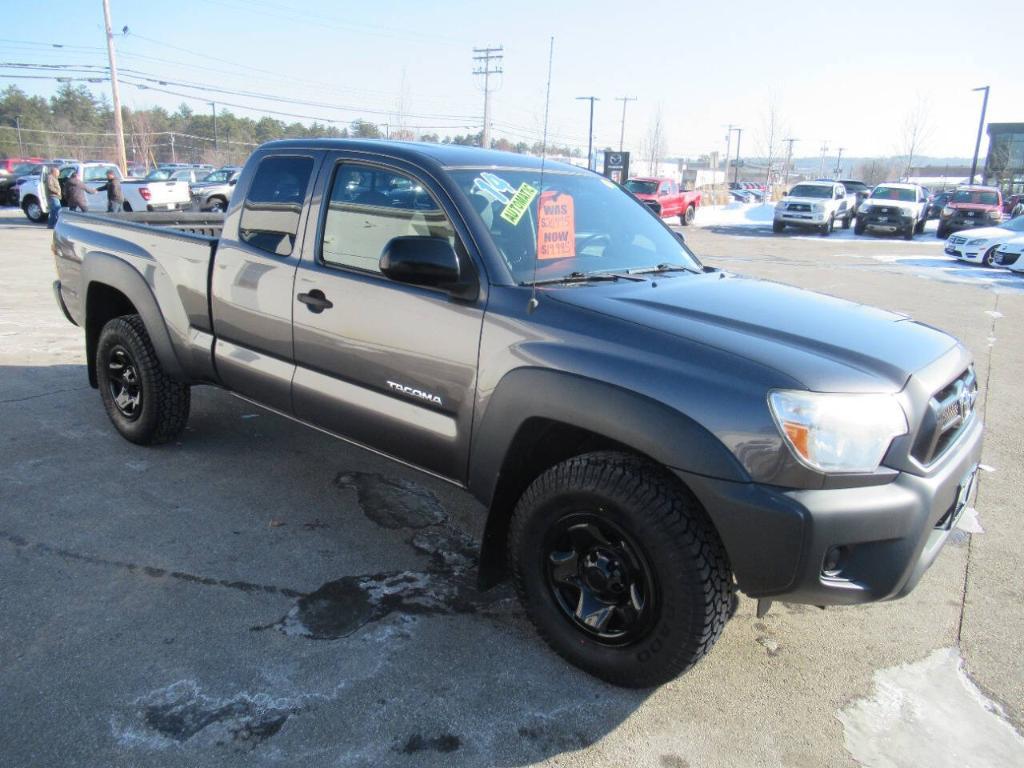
175, 186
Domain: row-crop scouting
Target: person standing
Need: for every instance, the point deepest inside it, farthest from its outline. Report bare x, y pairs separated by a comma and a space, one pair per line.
115, 197
75, 191
51, 185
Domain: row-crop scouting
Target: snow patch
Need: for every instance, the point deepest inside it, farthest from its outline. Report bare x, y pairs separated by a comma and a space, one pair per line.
929, 713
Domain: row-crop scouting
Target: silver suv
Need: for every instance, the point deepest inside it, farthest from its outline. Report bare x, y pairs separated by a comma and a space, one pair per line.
213, 193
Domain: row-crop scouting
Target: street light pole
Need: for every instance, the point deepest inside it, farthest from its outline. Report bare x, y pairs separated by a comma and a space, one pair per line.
590, 133
17, 124
622, 131
981, 125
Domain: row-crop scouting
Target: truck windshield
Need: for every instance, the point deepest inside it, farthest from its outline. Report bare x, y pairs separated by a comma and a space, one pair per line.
976, 197
894, 193
638, 187
581, 224
811, 190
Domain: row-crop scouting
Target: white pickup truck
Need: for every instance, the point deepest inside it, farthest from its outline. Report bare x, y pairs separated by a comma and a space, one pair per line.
139, 194
816, 204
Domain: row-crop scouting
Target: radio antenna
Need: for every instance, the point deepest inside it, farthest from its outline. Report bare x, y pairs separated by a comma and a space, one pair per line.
533, 303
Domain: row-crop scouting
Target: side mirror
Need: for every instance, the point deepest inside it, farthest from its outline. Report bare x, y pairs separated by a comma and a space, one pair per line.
232, 182
430, 262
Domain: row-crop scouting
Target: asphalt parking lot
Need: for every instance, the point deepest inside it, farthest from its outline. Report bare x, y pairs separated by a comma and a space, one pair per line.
261, 594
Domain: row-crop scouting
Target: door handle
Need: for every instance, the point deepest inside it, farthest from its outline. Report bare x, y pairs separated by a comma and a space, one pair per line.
315, 301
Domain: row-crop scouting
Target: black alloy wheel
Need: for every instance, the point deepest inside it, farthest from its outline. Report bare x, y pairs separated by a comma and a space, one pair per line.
124, 383
600, 579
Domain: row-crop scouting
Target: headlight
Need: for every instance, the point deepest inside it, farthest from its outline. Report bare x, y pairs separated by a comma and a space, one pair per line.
818, 208
947, 211
995, 214
780, 205
864, 208
837, 432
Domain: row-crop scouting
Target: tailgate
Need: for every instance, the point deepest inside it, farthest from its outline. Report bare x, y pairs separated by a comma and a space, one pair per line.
168, 192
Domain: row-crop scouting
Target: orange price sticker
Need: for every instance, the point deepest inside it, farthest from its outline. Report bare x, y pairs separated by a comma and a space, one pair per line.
556, 226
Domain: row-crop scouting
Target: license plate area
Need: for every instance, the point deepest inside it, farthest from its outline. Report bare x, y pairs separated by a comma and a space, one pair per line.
963, 497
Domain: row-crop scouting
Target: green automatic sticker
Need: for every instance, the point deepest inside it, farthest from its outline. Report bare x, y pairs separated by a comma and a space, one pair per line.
519, 204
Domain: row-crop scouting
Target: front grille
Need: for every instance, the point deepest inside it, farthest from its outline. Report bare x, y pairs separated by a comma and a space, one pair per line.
799, 207
956, 240
949, 411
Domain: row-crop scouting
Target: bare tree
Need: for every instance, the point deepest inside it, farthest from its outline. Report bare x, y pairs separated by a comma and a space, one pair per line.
875, 170
654, 144
770, 138
141, 136
917, 130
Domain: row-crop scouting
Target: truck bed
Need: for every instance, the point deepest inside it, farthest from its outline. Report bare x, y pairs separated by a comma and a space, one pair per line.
207, 225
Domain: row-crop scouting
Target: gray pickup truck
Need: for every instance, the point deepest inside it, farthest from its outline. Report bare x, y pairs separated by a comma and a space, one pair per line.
648, 434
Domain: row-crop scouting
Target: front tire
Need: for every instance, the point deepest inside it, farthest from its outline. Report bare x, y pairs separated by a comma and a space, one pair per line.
859, 226
919, 229
778, 226
146, 405
619, 569
942, 233
908, 233
828, 226
848, 220
989, 259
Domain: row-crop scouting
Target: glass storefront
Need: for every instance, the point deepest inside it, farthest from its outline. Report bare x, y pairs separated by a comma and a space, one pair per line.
1004, 166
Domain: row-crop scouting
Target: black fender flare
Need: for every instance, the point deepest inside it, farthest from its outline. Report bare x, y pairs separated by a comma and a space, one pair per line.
99, 268
640, 423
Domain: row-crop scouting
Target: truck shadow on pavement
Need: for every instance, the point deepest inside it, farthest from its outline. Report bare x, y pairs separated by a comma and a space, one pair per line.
407, 665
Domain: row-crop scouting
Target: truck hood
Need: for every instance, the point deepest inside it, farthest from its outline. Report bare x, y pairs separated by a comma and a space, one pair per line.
825, 343
905, 205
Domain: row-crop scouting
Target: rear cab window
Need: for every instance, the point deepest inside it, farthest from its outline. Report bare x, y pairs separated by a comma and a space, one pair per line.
273, 205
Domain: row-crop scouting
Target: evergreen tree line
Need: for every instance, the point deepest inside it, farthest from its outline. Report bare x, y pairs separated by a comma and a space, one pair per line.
74, 123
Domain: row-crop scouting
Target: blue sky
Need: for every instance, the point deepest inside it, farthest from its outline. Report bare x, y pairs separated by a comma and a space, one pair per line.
845, 74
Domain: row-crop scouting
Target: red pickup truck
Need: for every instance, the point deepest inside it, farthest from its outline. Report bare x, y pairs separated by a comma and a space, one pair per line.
665, 198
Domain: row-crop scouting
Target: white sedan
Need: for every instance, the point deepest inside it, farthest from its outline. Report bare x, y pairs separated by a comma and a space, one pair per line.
1009, 254
979, 245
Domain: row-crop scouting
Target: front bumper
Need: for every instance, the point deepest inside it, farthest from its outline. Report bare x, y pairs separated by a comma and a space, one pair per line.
779, 541
802, 218
960, 221
960, 249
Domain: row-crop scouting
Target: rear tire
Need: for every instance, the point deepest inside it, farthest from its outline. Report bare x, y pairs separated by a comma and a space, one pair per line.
220, 205
619, 569
146, 405
33, 210
686, 217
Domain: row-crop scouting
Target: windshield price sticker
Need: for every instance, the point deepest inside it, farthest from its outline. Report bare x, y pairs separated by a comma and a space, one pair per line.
556, 226
519, 204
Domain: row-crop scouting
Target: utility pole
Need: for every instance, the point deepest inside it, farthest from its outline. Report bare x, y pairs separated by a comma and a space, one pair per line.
728, 152
622, 132
216, 139
736, 167
981, 125
839, 163
590, 132
821, 165
789, 157
122, 159
17, 124
174, 157
484, 57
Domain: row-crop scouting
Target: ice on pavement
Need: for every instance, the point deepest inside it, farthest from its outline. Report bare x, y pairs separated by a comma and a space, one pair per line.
929, 713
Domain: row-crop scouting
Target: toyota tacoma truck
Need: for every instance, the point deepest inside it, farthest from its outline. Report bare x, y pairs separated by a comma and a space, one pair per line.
666, 198
894, 208
816, 205
970, 206
646, 433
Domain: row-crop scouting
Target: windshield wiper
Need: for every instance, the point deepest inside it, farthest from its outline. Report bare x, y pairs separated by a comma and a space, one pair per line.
663, 268
584, 277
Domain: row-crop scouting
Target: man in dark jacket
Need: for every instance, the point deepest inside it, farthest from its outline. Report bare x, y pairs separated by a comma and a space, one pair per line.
75, 191
51, 183
115, 198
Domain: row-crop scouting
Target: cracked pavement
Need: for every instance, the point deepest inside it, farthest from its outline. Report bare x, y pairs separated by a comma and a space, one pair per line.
261, 594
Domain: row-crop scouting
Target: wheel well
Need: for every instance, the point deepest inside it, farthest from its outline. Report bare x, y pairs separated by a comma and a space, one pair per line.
102, 304
27, 199
127, 206
538, 445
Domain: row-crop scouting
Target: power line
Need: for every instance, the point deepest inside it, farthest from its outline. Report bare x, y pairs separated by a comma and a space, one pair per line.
484, 57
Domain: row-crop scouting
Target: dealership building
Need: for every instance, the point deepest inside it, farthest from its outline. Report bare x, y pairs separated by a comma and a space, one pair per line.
1004, 166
